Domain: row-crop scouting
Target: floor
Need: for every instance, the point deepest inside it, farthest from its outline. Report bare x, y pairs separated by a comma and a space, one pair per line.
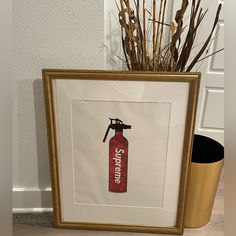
42, 224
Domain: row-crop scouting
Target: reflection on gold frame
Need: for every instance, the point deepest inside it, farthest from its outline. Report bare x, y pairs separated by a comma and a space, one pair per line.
50, 75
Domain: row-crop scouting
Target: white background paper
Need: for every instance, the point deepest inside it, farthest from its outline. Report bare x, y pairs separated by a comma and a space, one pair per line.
148, 139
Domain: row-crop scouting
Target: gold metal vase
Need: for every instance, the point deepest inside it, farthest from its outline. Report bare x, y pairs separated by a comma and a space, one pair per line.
206, 167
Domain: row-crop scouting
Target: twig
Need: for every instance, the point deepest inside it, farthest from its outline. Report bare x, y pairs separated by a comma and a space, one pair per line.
207, 41
154, 34
210, 55
161, 34
161, 23
158, 27
144, 36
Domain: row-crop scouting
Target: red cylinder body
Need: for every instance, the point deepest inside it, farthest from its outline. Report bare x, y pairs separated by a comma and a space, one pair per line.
118, 163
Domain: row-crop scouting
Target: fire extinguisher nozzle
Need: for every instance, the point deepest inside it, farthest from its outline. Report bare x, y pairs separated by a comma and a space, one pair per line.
128, 127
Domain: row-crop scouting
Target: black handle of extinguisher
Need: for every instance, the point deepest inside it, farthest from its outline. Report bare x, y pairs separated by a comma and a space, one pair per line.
105, 137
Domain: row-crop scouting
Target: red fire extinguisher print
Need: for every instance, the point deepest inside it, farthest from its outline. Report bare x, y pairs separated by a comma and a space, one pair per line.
118, 157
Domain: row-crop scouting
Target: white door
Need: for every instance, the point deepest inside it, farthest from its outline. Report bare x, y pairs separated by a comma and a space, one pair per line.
210, 114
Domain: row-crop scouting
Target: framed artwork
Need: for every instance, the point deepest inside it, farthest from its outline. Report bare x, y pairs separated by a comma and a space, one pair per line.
120, 148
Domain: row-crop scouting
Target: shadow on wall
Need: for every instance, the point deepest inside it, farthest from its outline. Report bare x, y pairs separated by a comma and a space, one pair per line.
41, 135
31, 160
42, 144
114, 50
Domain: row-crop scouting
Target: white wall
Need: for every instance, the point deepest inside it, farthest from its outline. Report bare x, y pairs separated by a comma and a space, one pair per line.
47, 34
63, 34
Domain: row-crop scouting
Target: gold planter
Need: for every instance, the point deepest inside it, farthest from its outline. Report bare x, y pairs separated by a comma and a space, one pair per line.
203, 182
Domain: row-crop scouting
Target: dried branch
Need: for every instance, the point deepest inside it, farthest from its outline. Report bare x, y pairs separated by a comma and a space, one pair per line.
207, 41
154, 34
162, 28
144, 37
138, 35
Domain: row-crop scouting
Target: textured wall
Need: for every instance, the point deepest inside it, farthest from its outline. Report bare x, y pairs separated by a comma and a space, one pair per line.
47, 34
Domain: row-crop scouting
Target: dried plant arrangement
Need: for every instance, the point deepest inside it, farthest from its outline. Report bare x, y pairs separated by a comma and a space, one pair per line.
145, 46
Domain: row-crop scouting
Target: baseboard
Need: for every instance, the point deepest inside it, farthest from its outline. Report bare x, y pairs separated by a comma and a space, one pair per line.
32, 200
31, 210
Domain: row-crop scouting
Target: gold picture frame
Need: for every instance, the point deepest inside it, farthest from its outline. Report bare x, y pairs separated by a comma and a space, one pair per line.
59, 84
